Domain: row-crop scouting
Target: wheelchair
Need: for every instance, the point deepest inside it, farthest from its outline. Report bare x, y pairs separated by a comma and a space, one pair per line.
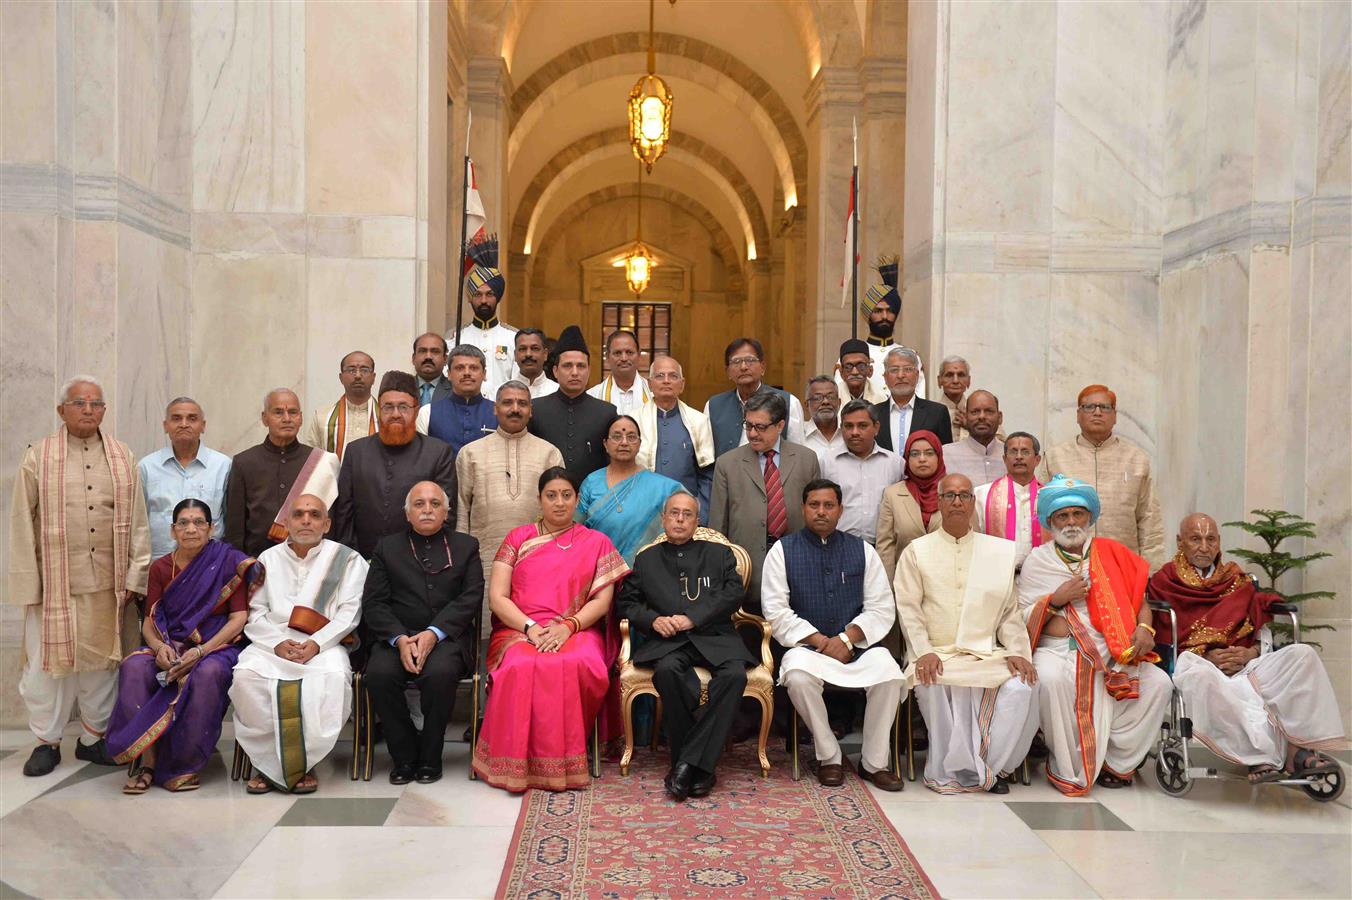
1174, 769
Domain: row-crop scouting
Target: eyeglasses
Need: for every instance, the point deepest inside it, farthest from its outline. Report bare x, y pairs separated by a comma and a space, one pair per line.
358, 370
624, 438
957, 496
1096, 407
756, 428
185, 524
901, 370
402, 409
81, 404
855, 366
743, 361
681, 514
665, 376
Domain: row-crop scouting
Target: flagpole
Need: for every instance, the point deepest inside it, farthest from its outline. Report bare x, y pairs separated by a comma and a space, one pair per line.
464, 223
854, 238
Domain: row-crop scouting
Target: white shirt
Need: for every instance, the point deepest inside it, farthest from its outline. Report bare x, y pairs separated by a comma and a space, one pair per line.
899, 420
981, 464
499, 347
542, 386
627, 402
862, 482
819, 445
875, 620
1023, 518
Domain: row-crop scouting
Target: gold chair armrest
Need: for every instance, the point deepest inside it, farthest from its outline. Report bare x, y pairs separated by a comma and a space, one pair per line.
741, 618
623, 659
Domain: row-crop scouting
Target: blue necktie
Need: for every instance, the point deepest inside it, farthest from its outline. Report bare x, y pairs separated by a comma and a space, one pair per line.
426, 397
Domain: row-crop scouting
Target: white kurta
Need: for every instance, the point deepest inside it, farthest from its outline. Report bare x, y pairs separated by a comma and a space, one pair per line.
357, 425
1252, 717
627, 403
1122, 730
803, 670
542, 386
263, 722
1024, 518
499, 348
956, 599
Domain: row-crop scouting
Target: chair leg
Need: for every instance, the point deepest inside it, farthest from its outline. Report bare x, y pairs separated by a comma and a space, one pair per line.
357, 685
793, 744
473, 724
1026, 772
657, 723
894, 760
596, 748
767, 717
237, 763
627, 719
368, 713
910, 739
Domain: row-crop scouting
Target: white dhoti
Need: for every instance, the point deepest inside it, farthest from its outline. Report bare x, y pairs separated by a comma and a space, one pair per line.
1121, 731
51, 699
804, 672
288, 715
976, 734
1252, 717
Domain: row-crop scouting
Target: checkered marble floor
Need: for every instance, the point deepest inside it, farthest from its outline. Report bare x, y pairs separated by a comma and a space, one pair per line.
73, 834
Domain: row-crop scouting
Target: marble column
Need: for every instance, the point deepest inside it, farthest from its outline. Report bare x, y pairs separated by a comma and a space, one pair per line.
489, 85
882, 137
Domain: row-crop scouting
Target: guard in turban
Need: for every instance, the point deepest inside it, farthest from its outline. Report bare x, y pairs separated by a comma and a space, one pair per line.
484, 289
881, 304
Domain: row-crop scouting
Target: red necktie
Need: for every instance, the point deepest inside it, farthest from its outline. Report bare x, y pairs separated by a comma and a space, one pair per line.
776, 516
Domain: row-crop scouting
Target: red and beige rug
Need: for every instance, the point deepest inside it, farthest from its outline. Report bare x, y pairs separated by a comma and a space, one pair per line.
751, 837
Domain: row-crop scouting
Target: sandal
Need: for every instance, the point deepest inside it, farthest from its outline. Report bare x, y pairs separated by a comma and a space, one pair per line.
1265, 774
307, 785
1112, 782
140, 782
258, 785
1323, 764
186, 783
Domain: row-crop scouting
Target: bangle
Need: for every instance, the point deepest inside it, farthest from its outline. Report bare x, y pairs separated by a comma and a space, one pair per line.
571, 624
577, 623
1146, 627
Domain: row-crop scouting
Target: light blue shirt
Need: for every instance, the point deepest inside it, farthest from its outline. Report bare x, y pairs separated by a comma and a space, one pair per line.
165, 483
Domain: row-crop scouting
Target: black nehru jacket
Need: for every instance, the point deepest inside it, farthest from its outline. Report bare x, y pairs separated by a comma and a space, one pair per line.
577, 426
404, 595
260, 479
653, 589
375, 480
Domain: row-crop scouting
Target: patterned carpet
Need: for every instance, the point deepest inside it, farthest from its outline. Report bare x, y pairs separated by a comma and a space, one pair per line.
751, 837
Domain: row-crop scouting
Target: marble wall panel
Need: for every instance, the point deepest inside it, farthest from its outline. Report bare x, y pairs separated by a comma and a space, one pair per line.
1333, 160
377, 306
362, 237
1109, 116
1185, 124
1223, 344
1227, 166
1000, 114
248, 79
998, 323
94, 121
1304, 136
1103, 328
360, 143
27, 82
137, 92
254, 233
173, 170
1269, 369
251, 312
925, 57
1178, 458
153, 339
1276, 61
87, 303
1298, 375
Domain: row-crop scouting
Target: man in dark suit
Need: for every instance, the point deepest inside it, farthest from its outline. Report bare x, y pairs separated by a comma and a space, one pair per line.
756, 485
423, 590
429, 361
681, 595
904, 412
570, 418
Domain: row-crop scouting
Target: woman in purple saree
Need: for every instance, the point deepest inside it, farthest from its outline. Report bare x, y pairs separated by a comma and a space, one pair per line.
172, 693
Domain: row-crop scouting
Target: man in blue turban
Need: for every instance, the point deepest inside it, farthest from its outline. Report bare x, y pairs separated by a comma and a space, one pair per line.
1101, 699
484, 288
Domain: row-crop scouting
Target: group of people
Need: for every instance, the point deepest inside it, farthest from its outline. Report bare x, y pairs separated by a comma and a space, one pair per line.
896, 544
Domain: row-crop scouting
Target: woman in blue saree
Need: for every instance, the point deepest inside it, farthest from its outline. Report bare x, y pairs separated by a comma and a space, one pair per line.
172, 693
624, 501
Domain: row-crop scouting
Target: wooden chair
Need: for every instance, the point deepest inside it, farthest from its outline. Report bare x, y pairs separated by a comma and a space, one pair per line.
636, 681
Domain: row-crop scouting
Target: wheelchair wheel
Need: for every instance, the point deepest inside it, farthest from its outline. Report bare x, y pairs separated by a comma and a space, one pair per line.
1326, 787
1172, 773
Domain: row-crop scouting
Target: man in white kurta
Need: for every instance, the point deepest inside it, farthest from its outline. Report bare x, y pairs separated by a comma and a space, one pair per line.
292, 688
79, 551
970, 662
1007, 507
1276, 711
1101, 709
825, 594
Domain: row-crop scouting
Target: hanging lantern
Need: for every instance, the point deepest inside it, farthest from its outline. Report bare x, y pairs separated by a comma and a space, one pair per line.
638, 269
650, 104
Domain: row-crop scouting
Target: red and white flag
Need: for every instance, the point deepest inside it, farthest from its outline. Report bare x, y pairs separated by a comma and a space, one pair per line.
850, 258
474, 213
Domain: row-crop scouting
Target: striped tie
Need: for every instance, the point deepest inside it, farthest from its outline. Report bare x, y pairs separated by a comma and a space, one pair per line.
776, 516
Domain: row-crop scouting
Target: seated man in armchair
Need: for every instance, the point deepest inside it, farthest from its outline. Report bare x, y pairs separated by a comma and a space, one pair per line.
1272, 713
681, 596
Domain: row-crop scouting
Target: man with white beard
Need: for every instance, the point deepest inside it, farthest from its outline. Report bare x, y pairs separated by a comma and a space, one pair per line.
1102, 700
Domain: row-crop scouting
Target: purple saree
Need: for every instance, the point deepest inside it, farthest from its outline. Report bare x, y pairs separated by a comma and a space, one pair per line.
182, 719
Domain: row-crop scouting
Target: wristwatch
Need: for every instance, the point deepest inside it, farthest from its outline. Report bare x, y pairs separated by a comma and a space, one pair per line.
530, 623
845, 639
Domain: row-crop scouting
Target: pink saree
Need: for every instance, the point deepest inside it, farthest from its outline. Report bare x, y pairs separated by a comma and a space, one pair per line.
542, 705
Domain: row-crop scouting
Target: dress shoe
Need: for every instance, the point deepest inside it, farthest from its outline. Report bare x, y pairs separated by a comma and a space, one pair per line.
428, 774
44, 758
97, 753
401, 775
831, 774
703, 783
1000, 787
883, 779
678, 781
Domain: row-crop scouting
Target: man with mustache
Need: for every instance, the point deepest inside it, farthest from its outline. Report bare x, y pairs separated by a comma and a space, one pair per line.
497, 477
881, 303
429, 362
570, 418
466, 414
854, 374
1007, 507
821, 432
484, 287
627, 390
531, 353
186, 468
266, 479
353, 416
1100, 696
379, 471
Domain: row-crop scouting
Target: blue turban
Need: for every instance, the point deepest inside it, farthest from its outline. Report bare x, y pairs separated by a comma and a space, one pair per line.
1063, 492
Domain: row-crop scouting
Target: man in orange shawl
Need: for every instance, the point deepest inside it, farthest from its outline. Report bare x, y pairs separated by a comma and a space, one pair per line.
1102, 700
1273, 712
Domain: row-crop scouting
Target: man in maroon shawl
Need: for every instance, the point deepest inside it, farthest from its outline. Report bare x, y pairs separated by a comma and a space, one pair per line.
1272, 712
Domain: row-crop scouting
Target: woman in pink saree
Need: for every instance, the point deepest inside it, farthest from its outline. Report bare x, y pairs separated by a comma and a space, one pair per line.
549, 659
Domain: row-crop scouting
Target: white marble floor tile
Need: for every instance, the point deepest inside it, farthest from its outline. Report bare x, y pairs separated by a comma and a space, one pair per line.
456, 801
373, 862
1225, 806
16, 788
983, 850
1200, 864
1039, 791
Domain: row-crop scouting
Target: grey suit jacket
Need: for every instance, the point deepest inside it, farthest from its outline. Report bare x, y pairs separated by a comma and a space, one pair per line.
737, 507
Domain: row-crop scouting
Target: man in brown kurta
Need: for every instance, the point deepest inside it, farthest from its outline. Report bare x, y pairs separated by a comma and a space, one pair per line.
497, 478
79, 551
